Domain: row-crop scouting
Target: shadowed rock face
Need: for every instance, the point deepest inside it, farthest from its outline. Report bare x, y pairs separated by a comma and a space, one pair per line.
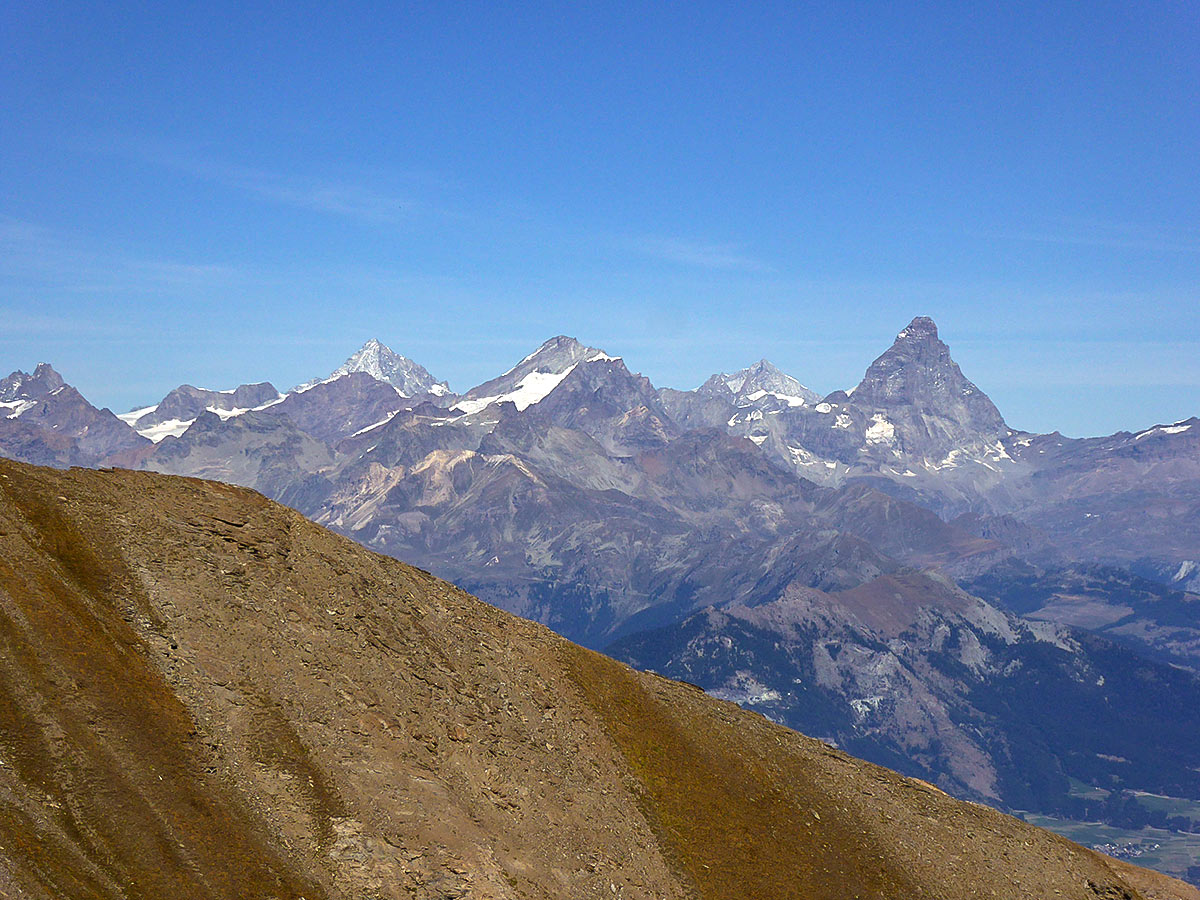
204, 695
916, 380
187, 402
45, 420
336, 409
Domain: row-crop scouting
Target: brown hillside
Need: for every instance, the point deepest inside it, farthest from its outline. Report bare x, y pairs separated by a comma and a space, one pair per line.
204, 695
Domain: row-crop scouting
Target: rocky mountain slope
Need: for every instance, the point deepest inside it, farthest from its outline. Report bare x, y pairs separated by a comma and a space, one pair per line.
1113, 601
45, 420
205, 695
172, 415
410, 379
573, 491
910, 671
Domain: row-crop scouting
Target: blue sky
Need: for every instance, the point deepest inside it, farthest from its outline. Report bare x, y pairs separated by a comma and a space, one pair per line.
228, 192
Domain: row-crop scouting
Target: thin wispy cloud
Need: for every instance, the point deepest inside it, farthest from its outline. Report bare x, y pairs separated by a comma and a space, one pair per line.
330, 195
699, 254
1110, 235
34, 254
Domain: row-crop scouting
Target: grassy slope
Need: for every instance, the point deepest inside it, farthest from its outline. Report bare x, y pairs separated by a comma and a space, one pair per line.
203, 695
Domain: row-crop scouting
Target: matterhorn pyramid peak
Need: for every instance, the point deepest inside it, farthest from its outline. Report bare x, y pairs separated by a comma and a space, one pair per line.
921, 328
918, 375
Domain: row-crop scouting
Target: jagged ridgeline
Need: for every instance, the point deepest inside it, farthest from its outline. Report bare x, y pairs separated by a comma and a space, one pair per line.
891, 566
203, 694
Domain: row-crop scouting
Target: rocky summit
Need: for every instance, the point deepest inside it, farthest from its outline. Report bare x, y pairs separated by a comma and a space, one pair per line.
376, 359
204, 695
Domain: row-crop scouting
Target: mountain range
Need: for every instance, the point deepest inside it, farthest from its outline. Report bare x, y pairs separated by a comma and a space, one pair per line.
204, 695
890, 567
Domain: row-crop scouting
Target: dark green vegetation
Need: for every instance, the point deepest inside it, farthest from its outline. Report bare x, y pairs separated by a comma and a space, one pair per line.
1165, 850
1143, 614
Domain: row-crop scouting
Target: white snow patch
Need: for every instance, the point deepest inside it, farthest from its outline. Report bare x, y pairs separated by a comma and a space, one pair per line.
601, 355
531, 389
226, 414
1162, 429
134, 414
308, 387
1186, 568
473, 406
823, 408
733, 382
757, 438
17, 407
439, 390
881, 431
998, 452
864, 706
745, 690
842, 421
802, 457
382, 421
754, 397
950, 462
169, 428
278, 399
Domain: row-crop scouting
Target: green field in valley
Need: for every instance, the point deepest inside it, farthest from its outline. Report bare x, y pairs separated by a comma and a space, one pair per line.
1171, 852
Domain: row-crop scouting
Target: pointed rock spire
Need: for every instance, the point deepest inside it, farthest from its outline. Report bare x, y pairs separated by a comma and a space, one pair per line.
916, 379
376, 359
21, 385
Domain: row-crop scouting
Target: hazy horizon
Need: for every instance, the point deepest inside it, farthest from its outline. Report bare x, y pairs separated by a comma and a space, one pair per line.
236, 193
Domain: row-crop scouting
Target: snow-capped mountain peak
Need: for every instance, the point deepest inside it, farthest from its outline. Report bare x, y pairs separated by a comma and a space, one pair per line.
534, 377
554, 356
914, 399
920, 329
755, 382
175, 413
24, 386
376, 359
